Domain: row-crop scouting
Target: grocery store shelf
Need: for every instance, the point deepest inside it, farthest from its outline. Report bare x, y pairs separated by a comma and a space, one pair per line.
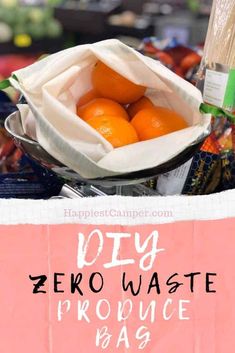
88, 20
40, 46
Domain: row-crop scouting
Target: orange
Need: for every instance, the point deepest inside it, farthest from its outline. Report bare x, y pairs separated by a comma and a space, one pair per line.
154, 122
115, 130
109, 84
190, 61
87, 97
101, 106
141, 104
165, 58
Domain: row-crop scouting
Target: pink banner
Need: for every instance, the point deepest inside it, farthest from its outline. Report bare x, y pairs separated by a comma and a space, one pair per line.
76, 288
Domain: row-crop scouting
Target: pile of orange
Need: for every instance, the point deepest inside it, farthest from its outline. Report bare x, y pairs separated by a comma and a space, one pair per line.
118, 109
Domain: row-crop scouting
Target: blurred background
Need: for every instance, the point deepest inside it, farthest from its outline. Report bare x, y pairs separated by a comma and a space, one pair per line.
172, 31
31, 28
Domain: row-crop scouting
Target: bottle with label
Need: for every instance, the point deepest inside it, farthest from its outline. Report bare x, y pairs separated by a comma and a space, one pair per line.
216, 76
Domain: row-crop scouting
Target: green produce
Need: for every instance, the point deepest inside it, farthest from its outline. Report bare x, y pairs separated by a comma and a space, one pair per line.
7, 16
54, 29
36, 22
36, 15
36, 30
54, 2
5, 33
22, 15
19, 29
8, 3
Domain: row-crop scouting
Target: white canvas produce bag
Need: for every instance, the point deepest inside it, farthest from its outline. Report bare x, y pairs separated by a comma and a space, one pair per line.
53, 86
